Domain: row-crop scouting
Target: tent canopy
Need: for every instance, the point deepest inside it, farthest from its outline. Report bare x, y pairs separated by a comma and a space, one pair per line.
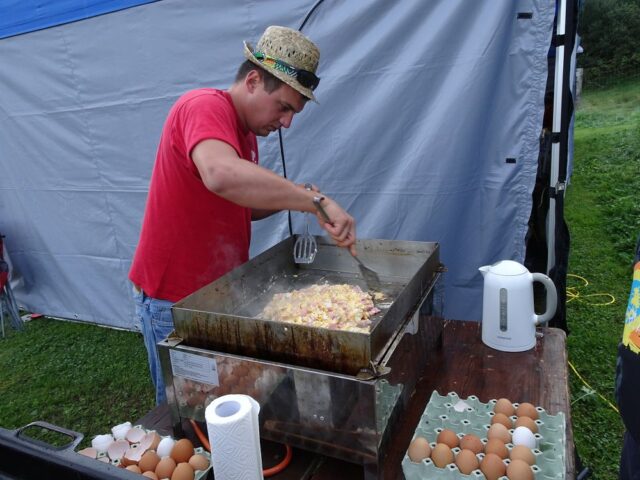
427, 129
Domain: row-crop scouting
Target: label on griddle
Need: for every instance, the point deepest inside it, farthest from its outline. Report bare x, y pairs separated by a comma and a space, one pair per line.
194, 367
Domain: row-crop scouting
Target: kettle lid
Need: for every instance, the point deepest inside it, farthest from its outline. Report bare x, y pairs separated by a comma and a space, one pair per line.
508, 268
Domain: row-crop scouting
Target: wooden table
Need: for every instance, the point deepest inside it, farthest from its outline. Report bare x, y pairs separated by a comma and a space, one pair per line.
463, 365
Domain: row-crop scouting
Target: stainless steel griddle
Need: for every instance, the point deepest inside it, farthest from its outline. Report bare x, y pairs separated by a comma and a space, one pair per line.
330, 391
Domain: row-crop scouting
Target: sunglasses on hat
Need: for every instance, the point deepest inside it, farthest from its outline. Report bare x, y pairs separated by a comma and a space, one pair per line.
304, 77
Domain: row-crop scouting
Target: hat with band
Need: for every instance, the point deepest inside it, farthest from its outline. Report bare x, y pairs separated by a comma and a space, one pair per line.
289, 56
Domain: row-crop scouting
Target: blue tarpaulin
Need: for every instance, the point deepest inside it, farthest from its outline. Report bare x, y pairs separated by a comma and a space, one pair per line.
23, 16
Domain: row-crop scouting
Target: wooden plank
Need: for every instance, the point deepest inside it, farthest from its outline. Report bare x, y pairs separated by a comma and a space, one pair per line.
468, 367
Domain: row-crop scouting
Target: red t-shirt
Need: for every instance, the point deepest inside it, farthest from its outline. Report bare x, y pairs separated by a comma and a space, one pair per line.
191, 236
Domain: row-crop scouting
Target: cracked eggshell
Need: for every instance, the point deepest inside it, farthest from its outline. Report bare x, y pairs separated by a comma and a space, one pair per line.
102, 442
120, 431
134, 435
117, 449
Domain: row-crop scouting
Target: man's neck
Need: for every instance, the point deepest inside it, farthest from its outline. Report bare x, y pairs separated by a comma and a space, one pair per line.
238, 104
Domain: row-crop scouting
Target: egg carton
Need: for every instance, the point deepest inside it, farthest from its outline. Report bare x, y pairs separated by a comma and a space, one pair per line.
198, 474
386, 399
470, 415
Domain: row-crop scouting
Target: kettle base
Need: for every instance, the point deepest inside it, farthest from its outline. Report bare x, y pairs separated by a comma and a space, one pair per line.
507, 346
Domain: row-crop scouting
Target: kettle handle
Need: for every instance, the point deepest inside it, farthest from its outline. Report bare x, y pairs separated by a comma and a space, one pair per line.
552, 298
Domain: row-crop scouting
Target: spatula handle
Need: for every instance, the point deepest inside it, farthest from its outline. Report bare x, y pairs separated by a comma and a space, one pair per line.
318, 202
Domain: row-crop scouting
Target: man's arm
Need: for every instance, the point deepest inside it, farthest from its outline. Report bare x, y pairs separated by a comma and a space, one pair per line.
252, 186
259, 213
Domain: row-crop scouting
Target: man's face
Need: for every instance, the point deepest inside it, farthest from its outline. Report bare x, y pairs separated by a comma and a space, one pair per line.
268, 112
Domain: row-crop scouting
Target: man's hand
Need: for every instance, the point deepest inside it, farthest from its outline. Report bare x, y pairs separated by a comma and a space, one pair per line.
342, 227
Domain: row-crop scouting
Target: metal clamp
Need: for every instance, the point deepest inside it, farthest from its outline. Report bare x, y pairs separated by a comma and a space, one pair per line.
372, 372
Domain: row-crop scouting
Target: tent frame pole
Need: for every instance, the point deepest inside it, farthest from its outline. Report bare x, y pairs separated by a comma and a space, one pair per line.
558, 90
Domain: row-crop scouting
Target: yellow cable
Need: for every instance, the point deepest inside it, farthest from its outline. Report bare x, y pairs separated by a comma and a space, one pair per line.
593, 389
573, 293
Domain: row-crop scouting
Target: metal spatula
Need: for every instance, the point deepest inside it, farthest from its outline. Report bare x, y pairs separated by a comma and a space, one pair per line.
371, 278
305, 248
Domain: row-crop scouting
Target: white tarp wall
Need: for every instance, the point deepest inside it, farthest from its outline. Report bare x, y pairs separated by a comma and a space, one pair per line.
427, 129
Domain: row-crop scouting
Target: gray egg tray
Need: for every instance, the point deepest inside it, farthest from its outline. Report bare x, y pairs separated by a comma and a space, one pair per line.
386, 400
470, 415
198, 474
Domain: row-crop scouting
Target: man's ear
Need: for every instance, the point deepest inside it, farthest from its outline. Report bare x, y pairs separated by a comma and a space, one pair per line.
252, 80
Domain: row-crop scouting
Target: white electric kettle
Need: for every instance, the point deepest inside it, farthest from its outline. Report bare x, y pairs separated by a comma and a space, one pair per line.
508, 317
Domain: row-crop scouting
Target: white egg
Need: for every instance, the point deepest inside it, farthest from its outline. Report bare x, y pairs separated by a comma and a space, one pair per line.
164, 447
524, 436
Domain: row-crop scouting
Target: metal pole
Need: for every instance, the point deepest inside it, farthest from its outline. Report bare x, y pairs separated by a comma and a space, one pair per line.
558, 87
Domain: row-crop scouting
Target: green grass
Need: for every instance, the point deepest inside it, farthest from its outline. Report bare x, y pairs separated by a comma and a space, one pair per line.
80, 377
603, 214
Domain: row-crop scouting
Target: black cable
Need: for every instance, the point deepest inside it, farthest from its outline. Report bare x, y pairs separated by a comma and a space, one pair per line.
304, 22
284, 166
284, 172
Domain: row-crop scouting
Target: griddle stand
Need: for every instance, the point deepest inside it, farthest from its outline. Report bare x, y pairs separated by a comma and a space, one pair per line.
349, 417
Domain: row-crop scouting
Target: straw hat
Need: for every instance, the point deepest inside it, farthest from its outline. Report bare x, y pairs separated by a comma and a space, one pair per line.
291, 47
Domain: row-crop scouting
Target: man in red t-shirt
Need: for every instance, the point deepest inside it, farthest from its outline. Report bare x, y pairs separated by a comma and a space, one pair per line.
207, 187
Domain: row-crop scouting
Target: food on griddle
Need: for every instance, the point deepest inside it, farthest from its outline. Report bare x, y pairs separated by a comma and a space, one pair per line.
338, 307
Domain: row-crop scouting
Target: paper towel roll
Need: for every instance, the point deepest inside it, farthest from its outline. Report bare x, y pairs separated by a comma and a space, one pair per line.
234, 436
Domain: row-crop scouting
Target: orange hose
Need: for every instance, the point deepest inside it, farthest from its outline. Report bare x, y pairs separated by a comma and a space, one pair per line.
267, 472
203, 439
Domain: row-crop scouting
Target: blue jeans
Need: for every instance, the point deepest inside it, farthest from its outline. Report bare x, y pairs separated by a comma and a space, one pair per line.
156, 321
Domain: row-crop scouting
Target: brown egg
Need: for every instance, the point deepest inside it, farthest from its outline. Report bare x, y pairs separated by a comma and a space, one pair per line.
133, 468
467, 462
471, 442
183, 471
442, 455
519, 470
149, 461
522, 452
200, 462
527, 422
527, 410
182, 450
505, 407
503, 419
492, 466
497, 430
496, 446
165, 467
155, 440
448, 437
419, 449
150, 475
